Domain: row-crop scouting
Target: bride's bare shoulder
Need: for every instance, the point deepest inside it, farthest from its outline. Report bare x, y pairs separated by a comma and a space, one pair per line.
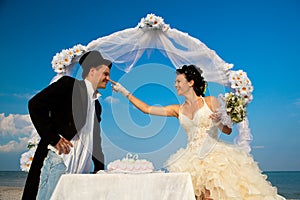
212, 102
210, 99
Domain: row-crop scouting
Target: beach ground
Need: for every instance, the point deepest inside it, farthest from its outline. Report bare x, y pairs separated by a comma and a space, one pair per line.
11, 193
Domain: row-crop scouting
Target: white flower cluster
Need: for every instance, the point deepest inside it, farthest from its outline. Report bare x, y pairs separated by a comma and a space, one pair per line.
27, 157
234, 103
63, 59
241, 85
153, 22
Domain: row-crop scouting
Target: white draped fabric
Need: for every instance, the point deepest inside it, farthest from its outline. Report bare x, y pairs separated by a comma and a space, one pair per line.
124, 48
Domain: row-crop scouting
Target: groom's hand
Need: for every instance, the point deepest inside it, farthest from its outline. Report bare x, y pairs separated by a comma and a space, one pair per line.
63, 146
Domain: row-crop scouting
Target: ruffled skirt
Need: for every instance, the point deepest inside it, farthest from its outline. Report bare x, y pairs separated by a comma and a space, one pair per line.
226, 171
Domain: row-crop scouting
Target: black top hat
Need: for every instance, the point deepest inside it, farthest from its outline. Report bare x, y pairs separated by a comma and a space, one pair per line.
93, 59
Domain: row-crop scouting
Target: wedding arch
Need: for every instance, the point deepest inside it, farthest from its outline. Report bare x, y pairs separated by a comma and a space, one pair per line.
124, 48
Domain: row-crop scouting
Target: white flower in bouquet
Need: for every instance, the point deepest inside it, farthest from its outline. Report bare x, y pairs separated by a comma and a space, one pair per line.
235, 107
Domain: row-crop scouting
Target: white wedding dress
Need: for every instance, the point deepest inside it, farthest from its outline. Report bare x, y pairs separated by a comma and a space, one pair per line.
223, 169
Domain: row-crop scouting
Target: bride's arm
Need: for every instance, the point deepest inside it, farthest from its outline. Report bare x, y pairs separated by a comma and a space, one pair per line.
213, 104
170, 110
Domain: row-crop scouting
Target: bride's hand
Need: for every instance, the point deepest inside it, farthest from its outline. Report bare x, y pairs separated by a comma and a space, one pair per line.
216, 118
119, 88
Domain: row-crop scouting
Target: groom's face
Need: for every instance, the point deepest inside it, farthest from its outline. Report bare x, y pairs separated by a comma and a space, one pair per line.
103, 76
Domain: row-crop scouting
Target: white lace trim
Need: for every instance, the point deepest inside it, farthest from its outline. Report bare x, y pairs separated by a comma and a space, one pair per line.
245, 137
225, 118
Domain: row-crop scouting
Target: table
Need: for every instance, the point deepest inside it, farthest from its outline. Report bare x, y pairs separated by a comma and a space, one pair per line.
151, 186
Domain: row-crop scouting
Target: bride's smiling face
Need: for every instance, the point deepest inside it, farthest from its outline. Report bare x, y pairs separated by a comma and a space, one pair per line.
181, 84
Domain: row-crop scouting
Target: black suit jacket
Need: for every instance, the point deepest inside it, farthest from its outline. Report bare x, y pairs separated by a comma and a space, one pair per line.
60, 108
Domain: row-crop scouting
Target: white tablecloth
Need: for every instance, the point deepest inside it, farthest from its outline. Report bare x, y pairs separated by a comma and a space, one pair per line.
154, 186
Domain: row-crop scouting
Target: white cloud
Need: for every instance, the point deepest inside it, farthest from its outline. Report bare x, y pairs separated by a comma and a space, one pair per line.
15, 124
15, 146
15, 130
111, 100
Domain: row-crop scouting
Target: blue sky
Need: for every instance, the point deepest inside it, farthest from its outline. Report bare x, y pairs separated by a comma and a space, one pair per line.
259, 37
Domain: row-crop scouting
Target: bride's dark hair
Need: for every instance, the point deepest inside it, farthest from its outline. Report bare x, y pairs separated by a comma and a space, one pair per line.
192, 72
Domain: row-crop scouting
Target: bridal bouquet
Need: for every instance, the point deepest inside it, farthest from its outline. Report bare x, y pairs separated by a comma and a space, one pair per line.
233, 104
235, 107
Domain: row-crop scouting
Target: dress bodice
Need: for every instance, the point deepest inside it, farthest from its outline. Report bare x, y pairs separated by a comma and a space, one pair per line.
200, 128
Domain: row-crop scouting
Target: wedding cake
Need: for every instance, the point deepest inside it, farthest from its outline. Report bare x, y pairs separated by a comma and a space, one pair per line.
130, 164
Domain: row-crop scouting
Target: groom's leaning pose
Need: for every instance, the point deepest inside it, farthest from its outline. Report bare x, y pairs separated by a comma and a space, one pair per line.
66, 114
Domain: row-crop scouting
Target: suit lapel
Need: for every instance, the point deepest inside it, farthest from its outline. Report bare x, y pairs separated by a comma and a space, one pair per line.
98, 110
79, 104
83, 95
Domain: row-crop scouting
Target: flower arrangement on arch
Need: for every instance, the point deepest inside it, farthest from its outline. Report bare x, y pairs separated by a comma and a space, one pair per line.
27, 157
153, 22
241, 85
63, 59
236, 101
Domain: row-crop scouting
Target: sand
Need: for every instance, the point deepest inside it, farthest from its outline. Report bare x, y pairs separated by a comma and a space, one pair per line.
11, 193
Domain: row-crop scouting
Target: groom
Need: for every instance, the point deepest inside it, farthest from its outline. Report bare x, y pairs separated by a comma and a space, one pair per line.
66, 114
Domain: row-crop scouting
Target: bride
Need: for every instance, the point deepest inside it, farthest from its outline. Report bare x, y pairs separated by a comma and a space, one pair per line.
218, 170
